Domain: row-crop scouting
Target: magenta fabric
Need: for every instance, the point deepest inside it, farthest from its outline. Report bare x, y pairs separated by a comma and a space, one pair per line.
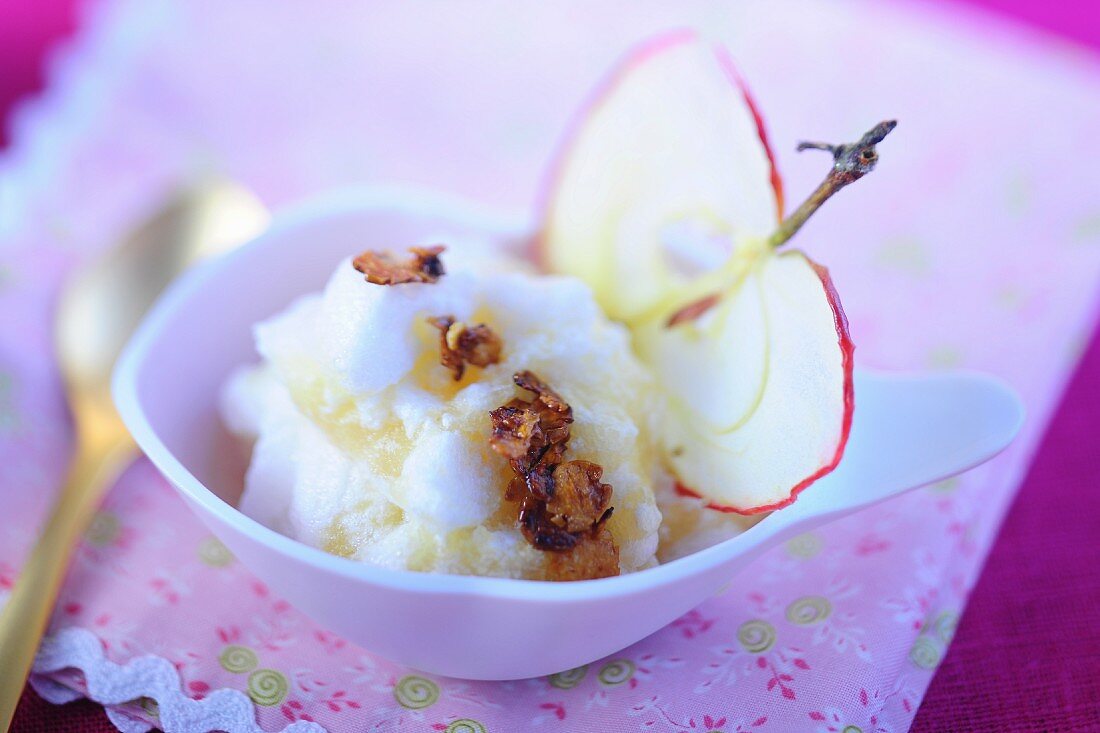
27, 29
1076, 19
1042, 647
35, 715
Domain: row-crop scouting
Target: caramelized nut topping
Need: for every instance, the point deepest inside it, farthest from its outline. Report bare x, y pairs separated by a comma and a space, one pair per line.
530, 432
517, 435
580, 500
563, 505
530, 381
594, 556
382, 268
460, 344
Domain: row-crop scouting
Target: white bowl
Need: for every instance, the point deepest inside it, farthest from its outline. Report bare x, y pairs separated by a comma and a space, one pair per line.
908, 431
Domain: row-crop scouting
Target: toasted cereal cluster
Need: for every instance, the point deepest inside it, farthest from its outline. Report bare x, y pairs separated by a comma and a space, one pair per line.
382, 268
460, 344
562, 505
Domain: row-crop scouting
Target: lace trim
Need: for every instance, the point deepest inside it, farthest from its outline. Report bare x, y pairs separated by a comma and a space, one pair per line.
146, 676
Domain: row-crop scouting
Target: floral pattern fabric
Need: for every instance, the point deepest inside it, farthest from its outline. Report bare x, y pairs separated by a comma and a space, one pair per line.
967, 248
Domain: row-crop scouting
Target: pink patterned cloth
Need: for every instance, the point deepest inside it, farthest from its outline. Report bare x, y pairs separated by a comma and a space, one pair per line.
979, 246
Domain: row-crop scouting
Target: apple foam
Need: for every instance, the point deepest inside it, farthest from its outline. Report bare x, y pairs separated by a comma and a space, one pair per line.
366, 447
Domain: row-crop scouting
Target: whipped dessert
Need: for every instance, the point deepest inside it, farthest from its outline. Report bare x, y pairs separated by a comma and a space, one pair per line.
376, 416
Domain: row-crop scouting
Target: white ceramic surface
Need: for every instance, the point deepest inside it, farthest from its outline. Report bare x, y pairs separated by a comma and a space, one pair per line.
908, 431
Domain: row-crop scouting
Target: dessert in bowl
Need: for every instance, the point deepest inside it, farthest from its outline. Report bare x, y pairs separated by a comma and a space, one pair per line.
661, 350
368, 446
571, 445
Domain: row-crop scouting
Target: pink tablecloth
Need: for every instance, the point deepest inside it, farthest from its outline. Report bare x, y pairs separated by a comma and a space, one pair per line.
792, 686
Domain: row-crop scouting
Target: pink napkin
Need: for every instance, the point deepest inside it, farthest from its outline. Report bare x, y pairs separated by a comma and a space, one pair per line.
976, 244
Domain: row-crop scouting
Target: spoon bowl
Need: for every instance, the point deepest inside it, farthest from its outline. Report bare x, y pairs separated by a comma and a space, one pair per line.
98, 311
908, 431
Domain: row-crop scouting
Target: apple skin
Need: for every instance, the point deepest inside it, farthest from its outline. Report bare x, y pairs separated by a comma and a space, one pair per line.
847, 350
726, 62
626, 64
546, 200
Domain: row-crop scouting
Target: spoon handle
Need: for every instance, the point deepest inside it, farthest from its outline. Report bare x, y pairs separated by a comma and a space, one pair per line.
23, 619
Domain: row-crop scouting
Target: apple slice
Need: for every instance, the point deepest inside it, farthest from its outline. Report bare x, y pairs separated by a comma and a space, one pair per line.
663, 202
671, 142
759, 386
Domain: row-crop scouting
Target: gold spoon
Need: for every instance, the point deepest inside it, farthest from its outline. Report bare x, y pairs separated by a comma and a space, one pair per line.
98, 311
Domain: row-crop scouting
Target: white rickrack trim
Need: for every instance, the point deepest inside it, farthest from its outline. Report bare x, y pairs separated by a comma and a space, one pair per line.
146, 676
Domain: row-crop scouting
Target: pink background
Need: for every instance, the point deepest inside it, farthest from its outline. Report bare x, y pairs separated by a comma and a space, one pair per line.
1017, 658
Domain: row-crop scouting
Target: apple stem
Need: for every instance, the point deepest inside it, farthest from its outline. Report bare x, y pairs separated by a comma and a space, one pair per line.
851, 161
